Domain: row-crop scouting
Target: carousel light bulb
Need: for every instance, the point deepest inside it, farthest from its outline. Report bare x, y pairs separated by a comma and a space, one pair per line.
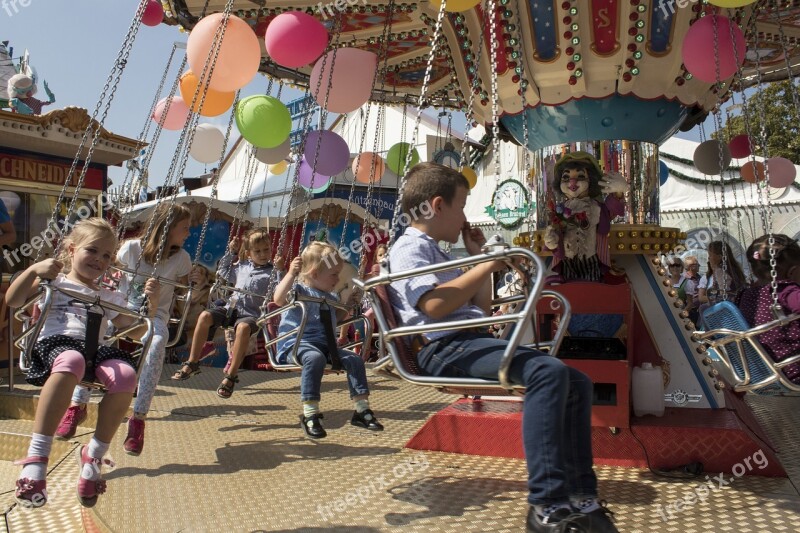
641, 8
639, 38
574, 27
635, 71
579, 73
512, 41
576, 57
640, 24
576, 40
637, 54
515, 54
573, 11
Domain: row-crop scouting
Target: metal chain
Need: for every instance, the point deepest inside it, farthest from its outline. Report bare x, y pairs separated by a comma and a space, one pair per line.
470, 111
214, 184
185, 142
763, 185
124, 206
421, 103
491, 9
94, 128
323, 114
526, 164
383, 55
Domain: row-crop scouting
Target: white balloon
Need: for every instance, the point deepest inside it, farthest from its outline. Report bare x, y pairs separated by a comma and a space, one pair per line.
271, 156
207, 143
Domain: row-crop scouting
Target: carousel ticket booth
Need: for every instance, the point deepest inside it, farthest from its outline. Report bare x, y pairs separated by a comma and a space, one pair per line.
36, 154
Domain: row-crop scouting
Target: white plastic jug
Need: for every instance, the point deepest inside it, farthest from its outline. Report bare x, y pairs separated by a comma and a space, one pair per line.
648, 390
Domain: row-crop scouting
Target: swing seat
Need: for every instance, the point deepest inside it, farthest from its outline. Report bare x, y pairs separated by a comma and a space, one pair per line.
175, 324
270, 321
401, 361
737, 354
33, 318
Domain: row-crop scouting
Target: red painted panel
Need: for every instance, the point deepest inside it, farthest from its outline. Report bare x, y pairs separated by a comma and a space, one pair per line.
497, 40
605, 17
718, 438
32, 169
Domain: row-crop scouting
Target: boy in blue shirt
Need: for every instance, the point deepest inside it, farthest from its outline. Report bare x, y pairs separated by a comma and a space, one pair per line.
556, 425
252, 273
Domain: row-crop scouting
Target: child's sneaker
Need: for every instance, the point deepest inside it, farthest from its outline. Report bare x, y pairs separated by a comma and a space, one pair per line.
31, 492
134, 441
90, 489
208, 349
72, 419
366, 420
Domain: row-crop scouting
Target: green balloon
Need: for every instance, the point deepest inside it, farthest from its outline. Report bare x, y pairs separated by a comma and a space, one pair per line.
396, 157
263, 121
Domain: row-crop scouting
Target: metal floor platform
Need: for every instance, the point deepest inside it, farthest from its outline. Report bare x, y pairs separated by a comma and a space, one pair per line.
244, 465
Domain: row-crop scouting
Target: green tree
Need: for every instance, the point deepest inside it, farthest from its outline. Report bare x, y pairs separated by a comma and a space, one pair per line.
782, 120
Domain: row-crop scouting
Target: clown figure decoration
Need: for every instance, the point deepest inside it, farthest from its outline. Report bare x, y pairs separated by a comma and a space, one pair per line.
580, 218
21, 90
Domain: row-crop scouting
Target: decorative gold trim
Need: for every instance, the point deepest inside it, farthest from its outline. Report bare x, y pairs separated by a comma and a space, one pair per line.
75, 119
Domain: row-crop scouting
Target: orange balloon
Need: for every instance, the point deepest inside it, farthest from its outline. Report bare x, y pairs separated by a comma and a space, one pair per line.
368, 164
753, 171
215, 103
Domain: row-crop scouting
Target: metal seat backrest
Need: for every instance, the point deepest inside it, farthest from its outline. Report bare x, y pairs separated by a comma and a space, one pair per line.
725, 315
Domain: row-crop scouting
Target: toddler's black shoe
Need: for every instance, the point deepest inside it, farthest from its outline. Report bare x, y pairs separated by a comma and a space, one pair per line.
366, 420
312, 426
600, 521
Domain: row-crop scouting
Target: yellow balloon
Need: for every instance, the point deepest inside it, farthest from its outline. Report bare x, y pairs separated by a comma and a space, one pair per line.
731, 3
278, 168
456, 5
472, 178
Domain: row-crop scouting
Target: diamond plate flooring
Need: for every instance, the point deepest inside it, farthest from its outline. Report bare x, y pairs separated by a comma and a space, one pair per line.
244, 465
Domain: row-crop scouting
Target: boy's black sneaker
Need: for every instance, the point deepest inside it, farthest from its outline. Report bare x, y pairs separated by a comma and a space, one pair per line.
312, 426
366, 420
559, 521
600, 521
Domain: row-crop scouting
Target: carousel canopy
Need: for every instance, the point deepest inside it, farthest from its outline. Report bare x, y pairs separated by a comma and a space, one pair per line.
600, 69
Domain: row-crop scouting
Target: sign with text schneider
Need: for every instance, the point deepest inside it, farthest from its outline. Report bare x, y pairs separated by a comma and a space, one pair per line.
47, 172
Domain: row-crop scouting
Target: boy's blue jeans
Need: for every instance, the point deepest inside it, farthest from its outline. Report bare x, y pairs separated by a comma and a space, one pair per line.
314, 361
557, 411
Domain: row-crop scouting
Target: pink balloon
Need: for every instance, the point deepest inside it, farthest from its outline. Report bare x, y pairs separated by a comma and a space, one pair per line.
740, 146
239, 52
153, 13
328, 150
295, 39
177, 114
781, 172
366, 165
349, 86
309, 179
701, 42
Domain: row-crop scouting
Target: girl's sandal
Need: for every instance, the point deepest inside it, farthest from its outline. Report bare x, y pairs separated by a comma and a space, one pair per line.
224, 390
188, 370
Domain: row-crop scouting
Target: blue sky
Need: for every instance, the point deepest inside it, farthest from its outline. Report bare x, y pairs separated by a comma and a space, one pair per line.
73, 45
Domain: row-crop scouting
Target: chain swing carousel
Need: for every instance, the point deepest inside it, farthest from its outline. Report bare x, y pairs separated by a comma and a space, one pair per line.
612, 79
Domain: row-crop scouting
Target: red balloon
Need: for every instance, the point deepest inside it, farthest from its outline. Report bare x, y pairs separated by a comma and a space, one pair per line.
153, 13
740, 146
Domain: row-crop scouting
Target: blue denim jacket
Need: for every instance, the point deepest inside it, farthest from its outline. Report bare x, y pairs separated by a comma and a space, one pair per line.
314, 331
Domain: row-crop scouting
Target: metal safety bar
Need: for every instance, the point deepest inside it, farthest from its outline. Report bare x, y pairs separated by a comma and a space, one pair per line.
295, 301
26, 340
520, 318
185, 297
740, 357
